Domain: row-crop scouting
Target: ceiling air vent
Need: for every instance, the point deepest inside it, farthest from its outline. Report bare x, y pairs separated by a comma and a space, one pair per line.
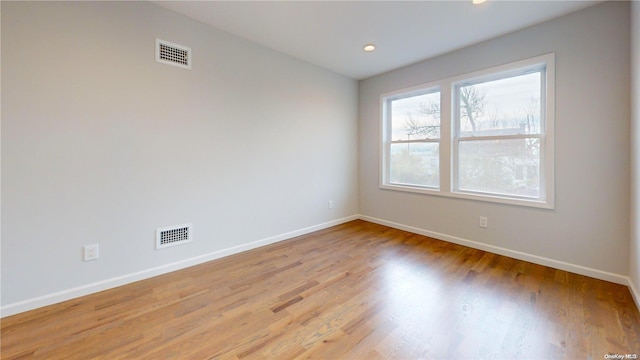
174, 235
173, 54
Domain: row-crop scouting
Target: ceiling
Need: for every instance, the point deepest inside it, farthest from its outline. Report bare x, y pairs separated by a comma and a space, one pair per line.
331, 34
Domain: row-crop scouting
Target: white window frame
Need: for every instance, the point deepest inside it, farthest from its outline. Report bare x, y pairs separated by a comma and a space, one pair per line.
386, 99
449, 141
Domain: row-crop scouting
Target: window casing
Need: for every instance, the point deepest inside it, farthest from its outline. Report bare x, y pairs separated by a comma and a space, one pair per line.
413, 130
488, 137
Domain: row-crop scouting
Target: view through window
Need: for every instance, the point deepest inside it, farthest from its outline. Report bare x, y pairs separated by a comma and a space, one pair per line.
415, 140
500, 146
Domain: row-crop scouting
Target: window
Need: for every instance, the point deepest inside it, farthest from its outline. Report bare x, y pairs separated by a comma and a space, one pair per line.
413, 149
483, 136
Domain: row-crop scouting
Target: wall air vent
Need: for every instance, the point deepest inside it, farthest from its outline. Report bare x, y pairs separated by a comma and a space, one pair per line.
174, 235
173, 54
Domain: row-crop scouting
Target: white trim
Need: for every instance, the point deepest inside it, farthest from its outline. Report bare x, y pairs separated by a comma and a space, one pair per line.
50, 299
385, 140
540, 260
634, 292
449, 137
494, 198
64, 295
505, 70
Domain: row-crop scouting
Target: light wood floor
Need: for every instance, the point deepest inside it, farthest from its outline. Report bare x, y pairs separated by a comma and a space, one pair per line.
354, 291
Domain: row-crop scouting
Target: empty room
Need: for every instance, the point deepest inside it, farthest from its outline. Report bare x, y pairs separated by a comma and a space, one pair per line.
320, 179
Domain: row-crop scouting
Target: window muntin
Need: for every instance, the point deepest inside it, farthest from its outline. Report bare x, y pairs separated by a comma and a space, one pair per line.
499, 124
413, 146
512, 136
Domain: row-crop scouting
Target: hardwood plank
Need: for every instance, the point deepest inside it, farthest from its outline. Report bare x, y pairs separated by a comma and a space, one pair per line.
353, 291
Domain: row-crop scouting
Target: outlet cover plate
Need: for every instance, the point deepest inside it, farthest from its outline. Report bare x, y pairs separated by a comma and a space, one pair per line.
91, 252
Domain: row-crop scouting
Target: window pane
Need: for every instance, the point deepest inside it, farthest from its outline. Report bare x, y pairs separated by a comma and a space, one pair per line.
416, 117
508, 167
508, 106
414, 164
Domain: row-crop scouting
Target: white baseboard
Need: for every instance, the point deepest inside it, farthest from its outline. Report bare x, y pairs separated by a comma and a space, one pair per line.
634, 293
49, 299
556, 264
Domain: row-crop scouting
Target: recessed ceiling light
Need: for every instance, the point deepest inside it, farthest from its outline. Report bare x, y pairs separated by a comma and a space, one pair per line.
477, 2
369, 47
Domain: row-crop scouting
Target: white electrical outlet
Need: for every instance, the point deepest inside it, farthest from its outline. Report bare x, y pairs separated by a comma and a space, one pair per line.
91, 252
484, 222
330, 204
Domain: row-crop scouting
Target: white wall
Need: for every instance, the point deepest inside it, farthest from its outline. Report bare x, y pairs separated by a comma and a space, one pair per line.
101, 144
589, 229
634, 253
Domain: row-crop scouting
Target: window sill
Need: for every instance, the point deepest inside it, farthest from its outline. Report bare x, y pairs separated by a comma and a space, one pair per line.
533, 203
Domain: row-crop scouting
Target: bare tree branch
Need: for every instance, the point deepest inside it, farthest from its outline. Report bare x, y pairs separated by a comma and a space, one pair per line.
426, 123
472, 104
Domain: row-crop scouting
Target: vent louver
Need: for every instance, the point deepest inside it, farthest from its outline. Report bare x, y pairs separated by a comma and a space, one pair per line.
173, 54
174, 235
